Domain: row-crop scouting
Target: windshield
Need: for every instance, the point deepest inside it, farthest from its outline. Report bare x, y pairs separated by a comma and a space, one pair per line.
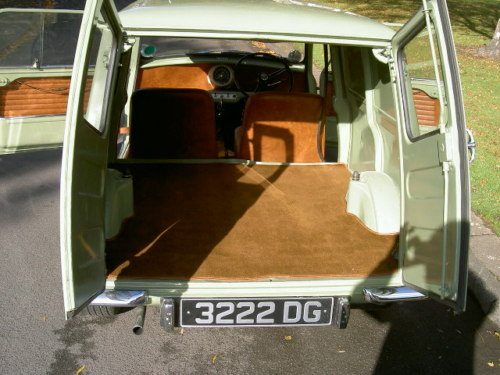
38, 39
172, 47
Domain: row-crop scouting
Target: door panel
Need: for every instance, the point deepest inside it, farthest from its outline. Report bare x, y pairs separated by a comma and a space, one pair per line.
85, 155
427, 107
37, 49
34, 96
435, 189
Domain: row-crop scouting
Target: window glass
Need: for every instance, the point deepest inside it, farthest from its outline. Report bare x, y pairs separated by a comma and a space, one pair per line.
38, 40
318, 60
99, 74
425, 89
174, 47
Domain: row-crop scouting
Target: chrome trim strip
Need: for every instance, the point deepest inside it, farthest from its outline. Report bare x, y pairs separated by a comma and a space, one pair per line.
387, 295
120, 298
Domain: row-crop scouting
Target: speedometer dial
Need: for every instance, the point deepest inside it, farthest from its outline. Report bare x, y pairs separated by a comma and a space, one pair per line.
221, 76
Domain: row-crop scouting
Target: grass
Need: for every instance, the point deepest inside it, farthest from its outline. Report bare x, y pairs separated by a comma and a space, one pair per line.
473, 23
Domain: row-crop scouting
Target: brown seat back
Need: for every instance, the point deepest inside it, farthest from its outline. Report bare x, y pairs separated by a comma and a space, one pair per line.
280, 127
172, 124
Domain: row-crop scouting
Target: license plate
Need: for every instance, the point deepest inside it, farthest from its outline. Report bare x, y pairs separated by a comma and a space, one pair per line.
256, 312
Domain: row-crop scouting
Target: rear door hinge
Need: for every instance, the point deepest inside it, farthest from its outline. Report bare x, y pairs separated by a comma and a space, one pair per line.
384, 55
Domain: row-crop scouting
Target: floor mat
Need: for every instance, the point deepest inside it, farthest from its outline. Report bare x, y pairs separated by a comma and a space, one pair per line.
245, 222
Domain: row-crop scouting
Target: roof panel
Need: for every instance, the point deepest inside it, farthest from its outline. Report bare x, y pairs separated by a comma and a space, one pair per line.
271, 17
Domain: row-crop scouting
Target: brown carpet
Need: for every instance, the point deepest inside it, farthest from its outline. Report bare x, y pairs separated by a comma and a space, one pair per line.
237, 222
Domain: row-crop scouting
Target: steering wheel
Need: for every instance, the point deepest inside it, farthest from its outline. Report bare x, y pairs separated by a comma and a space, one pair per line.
265, 80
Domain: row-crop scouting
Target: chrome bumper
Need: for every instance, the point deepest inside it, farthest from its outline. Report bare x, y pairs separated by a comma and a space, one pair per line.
120, 298
388, 295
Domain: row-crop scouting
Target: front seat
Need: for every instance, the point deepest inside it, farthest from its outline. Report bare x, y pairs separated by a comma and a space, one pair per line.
172, 124
281, 127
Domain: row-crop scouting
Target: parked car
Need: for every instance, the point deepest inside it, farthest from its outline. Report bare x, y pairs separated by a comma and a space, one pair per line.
263, 163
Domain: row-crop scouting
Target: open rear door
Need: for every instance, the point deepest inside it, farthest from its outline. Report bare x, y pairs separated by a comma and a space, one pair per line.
435, 179
37, 49
85, 154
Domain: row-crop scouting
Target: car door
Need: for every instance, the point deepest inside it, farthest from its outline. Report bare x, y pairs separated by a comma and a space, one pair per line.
37, 48
435, 179
85, 154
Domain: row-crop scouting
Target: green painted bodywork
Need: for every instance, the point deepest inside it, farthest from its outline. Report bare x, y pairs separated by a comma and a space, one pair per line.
254, 19
352, 287
435, 197
84, 166
429, 173
281, 20
31, 133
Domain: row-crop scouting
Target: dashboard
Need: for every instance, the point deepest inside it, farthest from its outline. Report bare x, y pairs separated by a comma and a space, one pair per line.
216, 78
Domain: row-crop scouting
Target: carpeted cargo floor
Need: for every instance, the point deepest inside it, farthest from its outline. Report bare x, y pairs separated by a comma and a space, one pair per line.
238, 222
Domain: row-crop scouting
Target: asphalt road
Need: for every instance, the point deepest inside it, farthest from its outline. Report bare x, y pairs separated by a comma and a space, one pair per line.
415, 338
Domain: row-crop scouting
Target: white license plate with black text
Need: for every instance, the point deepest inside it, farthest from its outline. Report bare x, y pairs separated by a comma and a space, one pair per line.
252, 312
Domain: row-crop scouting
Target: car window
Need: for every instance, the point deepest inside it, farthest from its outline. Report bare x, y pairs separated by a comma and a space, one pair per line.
173, 47
99, 73
425, 88
318, 61
38, 40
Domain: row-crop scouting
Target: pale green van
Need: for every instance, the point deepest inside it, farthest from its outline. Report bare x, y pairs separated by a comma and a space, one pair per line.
257, 163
